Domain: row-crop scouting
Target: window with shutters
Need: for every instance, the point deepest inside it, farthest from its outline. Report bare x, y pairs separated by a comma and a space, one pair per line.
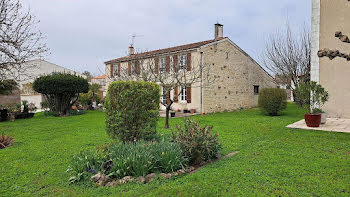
183, 62
115, 70
164, 93
183, 94
162, 64
133, 67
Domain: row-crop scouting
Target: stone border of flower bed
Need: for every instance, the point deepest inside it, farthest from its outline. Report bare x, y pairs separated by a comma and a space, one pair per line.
104, 180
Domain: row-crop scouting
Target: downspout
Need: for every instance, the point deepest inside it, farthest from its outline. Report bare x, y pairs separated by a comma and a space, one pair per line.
201, 65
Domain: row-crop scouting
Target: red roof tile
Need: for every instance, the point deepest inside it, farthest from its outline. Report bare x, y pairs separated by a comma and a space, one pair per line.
100, 77
162, 51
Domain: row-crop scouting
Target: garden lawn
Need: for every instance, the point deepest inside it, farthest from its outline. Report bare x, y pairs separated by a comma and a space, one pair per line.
273, 160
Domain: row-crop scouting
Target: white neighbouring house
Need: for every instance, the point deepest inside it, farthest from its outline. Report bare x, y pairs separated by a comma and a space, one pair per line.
39, 68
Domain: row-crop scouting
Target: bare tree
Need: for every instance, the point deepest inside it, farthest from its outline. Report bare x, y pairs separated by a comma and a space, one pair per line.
20, 41
171, 75
288, 55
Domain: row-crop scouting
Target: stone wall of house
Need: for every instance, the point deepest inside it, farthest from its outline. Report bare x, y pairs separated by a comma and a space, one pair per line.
235, 75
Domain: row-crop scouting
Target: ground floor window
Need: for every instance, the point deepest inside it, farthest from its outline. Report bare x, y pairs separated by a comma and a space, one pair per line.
183, 95
164, 99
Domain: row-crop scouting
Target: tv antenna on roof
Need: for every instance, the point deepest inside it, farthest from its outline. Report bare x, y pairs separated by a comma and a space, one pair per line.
133, 38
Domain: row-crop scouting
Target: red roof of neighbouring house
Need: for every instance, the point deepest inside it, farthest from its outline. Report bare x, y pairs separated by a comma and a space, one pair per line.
100, 77
166, 50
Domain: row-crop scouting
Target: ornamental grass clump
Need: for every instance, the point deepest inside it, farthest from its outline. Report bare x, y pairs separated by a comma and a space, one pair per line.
198, 144
128, 159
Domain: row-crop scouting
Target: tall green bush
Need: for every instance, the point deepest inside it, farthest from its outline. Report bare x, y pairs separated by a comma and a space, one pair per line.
273, 100
61, 90
132, 109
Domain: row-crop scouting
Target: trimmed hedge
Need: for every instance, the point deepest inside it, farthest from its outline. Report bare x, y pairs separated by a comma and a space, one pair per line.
61, 90
132, 109
273, 100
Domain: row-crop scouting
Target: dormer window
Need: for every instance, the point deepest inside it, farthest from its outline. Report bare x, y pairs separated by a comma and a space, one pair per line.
183, 62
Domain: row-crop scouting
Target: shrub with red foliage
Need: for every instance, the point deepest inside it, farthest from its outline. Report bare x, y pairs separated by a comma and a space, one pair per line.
5, 141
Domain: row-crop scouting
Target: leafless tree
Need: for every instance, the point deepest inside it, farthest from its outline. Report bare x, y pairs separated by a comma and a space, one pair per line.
287, 55
171, 75
20, 40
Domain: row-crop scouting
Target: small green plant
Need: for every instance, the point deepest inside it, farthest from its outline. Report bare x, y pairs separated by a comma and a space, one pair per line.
272, 100
44, 105
168, 157
85, 163
5, 141
199, 144
313, 96
132, 110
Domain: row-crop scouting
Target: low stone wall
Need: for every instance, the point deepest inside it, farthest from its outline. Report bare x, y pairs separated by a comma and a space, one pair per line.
13, 98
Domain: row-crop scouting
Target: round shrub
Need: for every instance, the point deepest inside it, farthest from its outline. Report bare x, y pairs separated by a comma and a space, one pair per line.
273, 100
132, 109
61, 90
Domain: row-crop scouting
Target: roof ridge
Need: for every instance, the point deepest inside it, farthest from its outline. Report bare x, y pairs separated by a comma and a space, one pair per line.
165, 50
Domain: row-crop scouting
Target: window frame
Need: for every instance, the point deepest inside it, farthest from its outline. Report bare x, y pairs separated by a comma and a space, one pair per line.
182, 62
183, 97
256, 87
164, 98
162, 64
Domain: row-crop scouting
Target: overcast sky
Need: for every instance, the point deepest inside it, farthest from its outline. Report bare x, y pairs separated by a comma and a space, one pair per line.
82, 34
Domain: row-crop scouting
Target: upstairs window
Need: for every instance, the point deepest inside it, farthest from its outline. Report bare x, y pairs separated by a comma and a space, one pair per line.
162, 65
183, 62
115, 70
133, 67
256, 89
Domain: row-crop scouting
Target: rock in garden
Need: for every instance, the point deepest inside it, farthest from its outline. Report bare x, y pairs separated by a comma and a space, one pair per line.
141, 179
174, 174
190, 169
96, 177
150, 177
181, 171
112, 183
166, 176
126, 179
100, 178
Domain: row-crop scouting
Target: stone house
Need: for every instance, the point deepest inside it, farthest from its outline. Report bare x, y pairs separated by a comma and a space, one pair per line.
330, 53
238, 77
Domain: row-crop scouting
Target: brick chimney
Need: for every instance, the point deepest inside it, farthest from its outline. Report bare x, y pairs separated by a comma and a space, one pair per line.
131, 50
219, 31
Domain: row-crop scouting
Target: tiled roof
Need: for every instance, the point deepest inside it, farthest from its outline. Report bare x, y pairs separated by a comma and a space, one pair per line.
100, 77
162, 51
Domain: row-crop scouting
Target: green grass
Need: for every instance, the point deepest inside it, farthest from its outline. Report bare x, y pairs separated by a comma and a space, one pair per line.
273, 160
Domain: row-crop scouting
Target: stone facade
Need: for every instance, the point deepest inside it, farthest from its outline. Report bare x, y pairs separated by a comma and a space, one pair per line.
235, 75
